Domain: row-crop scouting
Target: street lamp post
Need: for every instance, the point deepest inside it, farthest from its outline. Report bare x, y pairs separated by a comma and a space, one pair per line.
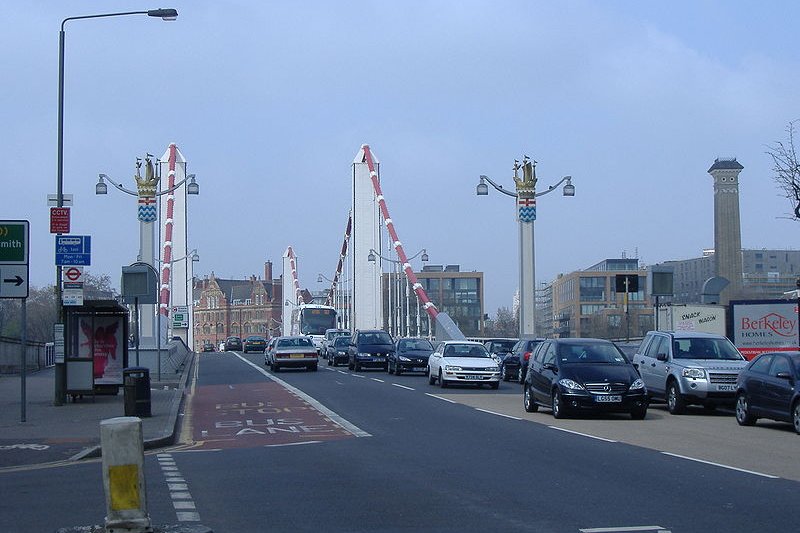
164, 14
526, 213
398, 316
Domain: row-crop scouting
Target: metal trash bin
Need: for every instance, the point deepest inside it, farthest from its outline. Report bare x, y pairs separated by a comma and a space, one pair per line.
137, 391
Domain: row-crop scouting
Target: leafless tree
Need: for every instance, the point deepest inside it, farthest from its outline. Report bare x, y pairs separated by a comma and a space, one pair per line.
786, 167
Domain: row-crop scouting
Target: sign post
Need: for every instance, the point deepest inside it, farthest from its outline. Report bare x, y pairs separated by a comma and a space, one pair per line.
14, 248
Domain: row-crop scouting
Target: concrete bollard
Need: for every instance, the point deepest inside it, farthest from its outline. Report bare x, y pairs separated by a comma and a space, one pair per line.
122, 447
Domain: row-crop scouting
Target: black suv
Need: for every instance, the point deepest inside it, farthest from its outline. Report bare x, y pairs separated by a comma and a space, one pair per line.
369, 348
233, 343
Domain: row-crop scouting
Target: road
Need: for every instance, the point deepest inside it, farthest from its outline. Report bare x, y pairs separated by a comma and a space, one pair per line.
337, 451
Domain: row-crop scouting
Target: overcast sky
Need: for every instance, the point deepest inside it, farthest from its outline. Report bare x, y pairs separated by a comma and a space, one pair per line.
270, 102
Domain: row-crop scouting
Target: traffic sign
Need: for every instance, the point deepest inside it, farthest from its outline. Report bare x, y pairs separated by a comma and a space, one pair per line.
180, 316
73, 250
59, 220
13, 281
14, 242
72, 274
72, 296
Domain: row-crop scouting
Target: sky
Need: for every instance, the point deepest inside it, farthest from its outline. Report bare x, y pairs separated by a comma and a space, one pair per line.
270, 102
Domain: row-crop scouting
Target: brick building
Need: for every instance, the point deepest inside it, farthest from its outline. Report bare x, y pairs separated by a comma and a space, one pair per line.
241, 307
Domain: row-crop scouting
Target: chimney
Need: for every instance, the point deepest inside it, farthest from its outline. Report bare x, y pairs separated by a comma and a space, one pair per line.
268, 271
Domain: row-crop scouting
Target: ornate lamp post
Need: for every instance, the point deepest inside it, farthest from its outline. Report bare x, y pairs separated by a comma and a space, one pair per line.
526, 213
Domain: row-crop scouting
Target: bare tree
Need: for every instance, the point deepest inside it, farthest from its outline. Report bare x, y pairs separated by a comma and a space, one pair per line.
505, 324
786, 167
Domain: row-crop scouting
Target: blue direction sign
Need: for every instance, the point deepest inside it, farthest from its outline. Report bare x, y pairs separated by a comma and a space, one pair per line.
73, 250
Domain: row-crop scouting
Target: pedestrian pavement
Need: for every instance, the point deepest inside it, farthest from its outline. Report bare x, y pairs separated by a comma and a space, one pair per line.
72, 431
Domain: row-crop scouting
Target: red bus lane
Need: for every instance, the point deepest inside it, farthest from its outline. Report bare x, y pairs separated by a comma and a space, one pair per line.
249, 415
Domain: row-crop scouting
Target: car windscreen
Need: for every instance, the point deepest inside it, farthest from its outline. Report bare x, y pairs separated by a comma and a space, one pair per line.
415, 344
503, 346
465, 350
591, 353
341, 341
705, 348
374, 338
302, 342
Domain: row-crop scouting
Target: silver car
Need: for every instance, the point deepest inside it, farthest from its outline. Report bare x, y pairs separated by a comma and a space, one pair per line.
689, 367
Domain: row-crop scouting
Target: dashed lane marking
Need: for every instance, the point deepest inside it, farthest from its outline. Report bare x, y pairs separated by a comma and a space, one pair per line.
769, 476
498, 414
439, 397
581, 434
402, 386
378, 380
624, 529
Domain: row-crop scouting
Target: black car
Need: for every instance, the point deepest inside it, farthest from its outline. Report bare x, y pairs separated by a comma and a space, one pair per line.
501, 350
369, 349
769, 387
233, 343
410, 355
208, 347
570, 375
337, 351
520, 355
255, 343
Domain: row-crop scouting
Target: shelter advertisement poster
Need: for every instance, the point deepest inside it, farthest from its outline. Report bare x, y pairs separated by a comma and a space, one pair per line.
764, 326
101, 340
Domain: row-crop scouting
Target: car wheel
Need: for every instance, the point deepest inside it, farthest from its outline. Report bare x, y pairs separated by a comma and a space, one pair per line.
275, 368
520, 377
675, 402
442, 382
639, 413
527, 400
558, 406
495, 385
431, 379
796, 417
743, 415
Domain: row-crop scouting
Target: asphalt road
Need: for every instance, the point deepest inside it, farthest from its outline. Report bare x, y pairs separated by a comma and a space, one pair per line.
334, 451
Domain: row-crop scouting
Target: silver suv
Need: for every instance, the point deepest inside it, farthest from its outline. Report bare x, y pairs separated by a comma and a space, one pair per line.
689, 367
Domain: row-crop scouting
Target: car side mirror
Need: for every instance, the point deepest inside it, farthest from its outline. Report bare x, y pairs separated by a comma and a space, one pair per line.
661, 357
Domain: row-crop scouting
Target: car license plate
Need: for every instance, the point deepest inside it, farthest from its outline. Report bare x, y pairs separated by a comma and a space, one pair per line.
418, 369
608, 399
729, 388
474, 377
297, 356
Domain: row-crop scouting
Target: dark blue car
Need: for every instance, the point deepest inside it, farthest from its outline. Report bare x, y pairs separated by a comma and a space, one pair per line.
769, 387
410, 355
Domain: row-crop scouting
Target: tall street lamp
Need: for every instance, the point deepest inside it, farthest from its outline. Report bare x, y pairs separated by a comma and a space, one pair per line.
163, 14
526, 213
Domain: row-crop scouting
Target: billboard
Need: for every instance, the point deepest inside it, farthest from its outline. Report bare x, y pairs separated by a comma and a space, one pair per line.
100, 339
759, 326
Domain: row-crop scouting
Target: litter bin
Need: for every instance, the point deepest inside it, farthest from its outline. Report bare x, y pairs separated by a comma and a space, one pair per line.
137, 391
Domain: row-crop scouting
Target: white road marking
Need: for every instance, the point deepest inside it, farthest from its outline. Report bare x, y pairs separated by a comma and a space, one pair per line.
337, 419
292, 444
401, 386
438, 397
178, 491
358, 376
769, 476
498, 414
581, 434
342, 372
329, 369
378, 380
187, 516
622, 529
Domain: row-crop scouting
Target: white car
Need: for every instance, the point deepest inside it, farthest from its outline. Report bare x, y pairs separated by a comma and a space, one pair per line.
463, 362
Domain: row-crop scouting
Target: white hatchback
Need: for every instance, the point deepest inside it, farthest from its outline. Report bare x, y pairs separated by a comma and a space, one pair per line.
464, 362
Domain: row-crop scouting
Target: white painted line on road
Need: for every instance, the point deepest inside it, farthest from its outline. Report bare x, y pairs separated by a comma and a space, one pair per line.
581, 434
401, 386
183, 505
344, 424
498, 414
358, 376
438, 397
342, 372
329, 369
378, 380
769, 476
187, 516
292, 444
178, 491
622, 529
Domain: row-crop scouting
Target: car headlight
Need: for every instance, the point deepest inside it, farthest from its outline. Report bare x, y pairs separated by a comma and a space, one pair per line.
450, 368
636, 385
697, 373
569, 384
340, 353
404, 359
493, 369
361, 354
